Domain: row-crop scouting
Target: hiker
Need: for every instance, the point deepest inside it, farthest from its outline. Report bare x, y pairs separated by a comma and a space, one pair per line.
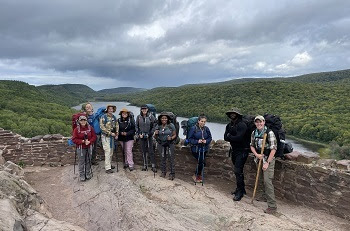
145, 127
235, 133
200, 137
109, 135
165, 135
126, 137
268, 159
84, 137
91, 116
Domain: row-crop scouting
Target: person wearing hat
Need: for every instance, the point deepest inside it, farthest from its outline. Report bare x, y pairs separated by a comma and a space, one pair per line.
126, 137
235, 134
268, 159
165, 135
109, 133
84, 138
145, 127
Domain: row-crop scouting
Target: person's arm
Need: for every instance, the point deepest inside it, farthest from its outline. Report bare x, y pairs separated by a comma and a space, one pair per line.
273, 148
239, 137
137, 125
209, 138
75, 137
191, 137
226, 132
93, 136
131, 131
153, 122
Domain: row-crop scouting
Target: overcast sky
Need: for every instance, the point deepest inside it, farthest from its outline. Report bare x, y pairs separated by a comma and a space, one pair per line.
149, 43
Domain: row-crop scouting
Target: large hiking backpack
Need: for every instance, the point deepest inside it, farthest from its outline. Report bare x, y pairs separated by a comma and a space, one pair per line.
173, 120
152, 109
96, 119
186, 125
75, 119
274, 123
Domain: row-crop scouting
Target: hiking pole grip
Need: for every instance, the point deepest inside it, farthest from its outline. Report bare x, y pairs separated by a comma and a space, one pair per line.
259, 166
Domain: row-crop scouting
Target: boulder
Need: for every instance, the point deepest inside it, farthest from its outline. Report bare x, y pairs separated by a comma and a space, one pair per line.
326, 162
307, 157
343, 164
36, 138
9, 217
13, 168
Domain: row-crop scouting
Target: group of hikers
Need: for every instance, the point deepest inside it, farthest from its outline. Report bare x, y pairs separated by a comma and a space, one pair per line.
146, 128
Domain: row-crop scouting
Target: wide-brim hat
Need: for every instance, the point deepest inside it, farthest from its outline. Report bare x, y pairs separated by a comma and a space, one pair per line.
113, 106
234, 110
163, 114
124, 110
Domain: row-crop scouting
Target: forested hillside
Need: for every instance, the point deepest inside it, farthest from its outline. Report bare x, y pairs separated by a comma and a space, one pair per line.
310, 109
29, 111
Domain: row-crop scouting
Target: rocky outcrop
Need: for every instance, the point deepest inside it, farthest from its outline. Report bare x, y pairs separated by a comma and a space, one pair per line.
21, 208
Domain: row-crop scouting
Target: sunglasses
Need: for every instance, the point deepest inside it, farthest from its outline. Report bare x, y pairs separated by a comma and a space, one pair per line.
82, 120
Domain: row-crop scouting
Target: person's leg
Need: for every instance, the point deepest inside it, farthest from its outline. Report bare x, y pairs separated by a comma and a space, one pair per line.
106, 143
143, 144
162, 153
151, 153
88, 163
81, 163
269, 188
241, 158
129, 155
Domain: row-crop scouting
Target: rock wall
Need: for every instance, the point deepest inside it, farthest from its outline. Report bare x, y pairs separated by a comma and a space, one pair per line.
320, 184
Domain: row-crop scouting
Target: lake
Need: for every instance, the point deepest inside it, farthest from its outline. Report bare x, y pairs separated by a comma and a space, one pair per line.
217, 129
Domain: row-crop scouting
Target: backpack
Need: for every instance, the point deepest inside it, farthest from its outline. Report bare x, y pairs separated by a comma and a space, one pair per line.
274, 123
173, 120
96, 119
75, 119
186, 125
152, 109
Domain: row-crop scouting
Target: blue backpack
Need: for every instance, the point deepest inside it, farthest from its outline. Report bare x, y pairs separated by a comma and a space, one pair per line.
186, 125
96, 119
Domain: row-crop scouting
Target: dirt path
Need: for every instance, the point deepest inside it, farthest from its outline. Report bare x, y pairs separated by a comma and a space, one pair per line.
138, 201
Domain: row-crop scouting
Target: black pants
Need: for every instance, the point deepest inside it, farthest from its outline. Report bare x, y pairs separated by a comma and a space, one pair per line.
239, 157
201, 160
147, 146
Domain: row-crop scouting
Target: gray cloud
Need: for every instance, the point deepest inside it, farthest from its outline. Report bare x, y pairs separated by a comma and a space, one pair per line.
170, 43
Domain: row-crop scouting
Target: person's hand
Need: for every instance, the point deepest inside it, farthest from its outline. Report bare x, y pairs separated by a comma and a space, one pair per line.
87, 142
156, 132
112, 134
265, 165
259, 156
204, 141
169, 138
141, 136
116, 137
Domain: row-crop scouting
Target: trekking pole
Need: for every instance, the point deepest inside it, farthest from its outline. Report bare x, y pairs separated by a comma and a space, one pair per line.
259, 166
75, 159
199, 156
203, 166
116, 154
90, 155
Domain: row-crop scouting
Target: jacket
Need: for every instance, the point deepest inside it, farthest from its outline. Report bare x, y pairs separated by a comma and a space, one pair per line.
127, 126
195, 134
145, 124
81, 133
235, 133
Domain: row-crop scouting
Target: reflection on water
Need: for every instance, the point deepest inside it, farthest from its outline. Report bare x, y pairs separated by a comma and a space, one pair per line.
217, 129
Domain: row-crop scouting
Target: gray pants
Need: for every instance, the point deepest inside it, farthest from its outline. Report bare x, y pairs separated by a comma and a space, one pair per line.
97, 142
84, 155
147, 147
165, 151
269, 188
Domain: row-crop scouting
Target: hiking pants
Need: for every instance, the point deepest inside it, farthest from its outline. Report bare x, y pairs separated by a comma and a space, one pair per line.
127, 147
269, 188
239, 157
147, 146
108, 146
165, 151
84, 164
201, 160
98, 139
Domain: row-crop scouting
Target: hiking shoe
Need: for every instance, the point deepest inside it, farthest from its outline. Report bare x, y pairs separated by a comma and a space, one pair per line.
126, 166
234, 192
94, 162
88, 177
238, 196
163, 174
131, 169
154, 169
144, 168
109, 171
270, 210
171, 177
82, 179
199, 179
112, 167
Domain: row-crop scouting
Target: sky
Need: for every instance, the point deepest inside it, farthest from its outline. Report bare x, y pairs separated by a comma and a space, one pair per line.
152, 43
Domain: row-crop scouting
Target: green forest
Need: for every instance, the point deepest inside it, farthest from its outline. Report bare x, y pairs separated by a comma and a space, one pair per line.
313, 107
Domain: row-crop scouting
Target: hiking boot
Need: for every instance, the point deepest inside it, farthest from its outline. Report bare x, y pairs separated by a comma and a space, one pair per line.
154, 169
163, 174
199, 179
270, 210
144, 168
94, 162
234, 192
126, 166
88, 177
109, 171
238, 196
112, 167
131, 169
171, 176
82, 178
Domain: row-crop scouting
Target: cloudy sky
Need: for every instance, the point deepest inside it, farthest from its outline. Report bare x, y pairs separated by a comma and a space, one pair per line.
149, 43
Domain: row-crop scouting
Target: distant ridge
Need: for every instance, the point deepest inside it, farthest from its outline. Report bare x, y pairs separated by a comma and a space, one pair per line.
120, 90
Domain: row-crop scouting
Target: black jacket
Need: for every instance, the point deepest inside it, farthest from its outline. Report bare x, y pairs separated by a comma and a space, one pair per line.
235, 133
127, 126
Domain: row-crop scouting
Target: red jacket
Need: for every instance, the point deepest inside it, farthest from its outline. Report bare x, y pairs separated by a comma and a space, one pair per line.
80, 133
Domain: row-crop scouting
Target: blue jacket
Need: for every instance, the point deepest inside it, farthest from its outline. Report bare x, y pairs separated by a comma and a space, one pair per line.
195, 135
